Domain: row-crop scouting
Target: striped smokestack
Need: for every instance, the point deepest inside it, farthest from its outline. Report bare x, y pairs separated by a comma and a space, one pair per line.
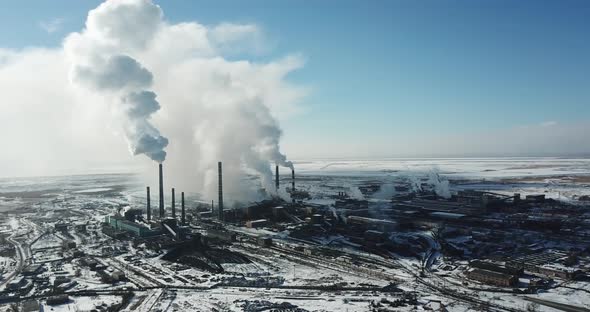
182, 212
161, 192
149, 209
220, 203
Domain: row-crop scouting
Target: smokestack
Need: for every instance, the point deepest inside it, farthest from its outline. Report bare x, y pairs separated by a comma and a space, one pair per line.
173, 204
149, 209
277, 177
293, 180
220, 203
182, 212
293, 185
161, 192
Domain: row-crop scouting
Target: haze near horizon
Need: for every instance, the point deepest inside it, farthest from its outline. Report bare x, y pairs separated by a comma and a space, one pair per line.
288, 82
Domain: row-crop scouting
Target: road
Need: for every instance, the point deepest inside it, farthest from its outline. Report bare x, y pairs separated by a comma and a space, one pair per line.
22, 255
23, 251
557, 305
445, 291
20, 264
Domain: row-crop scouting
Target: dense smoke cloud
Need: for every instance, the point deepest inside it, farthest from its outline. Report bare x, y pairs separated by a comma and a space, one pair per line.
129, 78
440, 185
436, 183
99, 62
386, 191
213, 109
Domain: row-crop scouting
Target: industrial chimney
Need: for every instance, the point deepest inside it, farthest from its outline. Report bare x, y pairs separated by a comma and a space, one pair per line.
161, 193
293, 185
149, 209
173, 204
293, 180
277, 178
220, 203
182, 212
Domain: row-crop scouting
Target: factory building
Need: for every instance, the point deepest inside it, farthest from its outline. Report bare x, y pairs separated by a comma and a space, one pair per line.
492, 278
545, 264
257, 223
264, 241
61, 227
111, 277
374, 236
33, 269
222, 235
496, 267
370, 223
68, 244
135, 229
559, 271
31, 305
468, 208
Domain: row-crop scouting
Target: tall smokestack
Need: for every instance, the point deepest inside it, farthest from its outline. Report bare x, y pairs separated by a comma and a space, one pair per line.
149, 209
277, 177
220, 203
173, 204
293, 185
182, 212
161, 192
293, 180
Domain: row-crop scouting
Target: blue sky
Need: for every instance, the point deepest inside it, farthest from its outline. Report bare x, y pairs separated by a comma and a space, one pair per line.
378, 68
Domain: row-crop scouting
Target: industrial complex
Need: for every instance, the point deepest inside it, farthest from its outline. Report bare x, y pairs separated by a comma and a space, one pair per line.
323, 249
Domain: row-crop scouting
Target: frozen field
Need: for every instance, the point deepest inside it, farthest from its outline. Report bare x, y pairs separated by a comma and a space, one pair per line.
452, 167
563, 178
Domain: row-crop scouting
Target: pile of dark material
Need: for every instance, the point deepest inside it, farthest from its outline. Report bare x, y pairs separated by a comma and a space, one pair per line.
241, 281
385, 305
262, 305
209, 260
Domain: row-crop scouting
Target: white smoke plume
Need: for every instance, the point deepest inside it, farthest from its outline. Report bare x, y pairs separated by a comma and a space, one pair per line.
214, 109
439, 184
355, 193
386, 191
104, 87
100, 62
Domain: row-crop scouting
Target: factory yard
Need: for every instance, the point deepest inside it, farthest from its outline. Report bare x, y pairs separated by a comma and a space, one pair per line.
365, 240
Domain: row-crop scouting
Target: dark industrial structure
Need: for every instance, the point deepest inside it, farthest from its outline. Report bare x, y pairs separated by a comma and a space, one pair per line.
182, 212
293, 179
161, 180
220, 191
173, 204
277, 177
149, 209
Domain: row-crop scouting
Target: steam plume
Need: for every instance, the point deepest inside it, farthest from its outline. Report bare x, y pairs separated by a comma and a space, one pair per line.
100, 63
125, 62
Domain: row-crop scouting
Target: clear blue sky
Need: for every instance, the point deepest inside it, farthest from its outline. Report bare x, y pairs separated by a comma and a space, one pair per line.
426, 67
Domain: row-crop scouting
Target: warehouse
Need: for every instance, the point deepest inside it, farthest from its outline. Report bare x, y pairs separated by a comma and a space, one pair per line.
492, 278
496, 267
559, 271
222, 235
135, 229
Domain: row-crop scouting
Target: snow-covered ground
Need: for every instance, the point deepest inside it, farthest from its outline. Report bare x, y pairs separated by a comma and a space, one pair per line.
496, 167
82, 199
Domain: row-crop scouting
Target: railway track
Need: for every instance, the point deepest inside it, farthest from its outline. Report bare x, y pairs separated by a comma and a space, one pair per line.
441, 290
